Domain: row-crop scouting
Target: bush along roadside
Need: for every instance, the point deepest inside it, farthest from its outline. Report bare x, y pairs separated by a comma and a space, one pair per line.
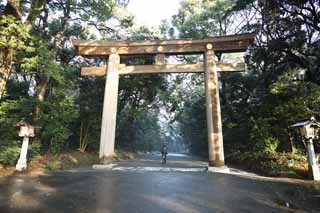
276, 164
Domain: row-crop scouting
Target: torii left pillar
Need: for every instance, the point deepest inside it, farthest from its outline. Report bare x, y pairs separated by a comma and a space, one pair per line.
214, 124
109, 114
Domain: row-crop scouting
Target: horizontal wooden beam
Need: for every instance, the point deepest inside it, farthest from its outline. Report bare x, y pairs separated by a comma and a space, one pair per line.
98, 71
165, 68
94, 71
231, 67
145, 50
222, 44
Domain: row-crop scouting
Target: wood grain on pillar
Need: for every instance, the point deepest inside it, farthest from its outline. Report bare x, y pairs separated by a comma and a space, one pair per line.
108, 126
215, 138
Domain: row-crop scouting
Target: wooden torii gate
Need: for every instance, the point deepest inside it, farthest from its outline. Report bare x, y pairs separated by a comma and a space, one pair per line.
159, 48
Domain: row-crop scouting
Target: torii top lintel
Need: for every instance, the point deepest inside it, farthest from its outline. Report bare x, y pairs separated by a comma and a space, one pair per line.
221, 44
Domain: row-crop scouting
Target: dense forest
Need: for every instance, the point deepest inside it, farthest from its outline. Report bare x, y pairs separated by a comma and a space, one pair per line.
40, 80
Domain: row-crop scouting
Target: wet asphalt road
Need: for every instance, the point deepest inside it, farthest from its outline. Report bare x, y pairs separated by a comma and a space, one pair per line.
89, 190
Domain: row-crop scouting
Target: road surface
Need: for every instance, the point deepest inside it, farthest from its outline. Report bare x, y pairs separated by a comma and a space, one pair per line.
130, 191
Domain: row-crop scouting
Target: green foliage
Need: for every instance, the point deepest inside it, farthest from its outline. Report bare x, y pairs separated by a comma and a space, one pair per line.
59, 113
100, 10
193, 125
91, 100
52, 165
34, 149
185, 104
140, 131
11, 112
9, 152
13, 34
261, 139
268, 145
271, 164
199, 19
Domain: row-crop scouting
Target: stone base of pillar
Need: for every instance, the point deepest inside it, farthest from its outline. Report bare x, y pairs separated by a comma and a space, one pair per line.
222, 169
216, 163
314, 172
104, 166
21, 165
107, 159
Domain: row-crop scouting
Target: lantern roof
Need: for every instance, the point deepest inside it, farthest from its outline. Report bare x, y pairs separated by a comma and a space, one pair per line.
312, 121
23, 123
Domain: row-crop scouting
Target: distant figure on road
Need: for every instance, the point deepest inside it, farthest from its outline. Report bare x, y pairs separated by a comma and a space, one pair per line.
164, 152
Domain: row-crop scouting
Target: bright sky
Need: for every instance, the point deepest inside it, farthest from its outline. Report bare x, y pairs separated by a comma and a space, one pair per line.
152, 12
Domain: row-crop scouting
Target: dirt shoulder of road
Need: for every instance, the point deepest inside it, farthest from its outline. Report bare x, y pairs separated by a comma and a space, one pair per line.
43, 164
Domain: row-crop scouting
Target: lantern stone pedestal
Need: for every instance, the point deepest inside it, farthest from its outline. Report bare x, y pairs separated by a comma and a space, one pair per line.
309, 130
314, 171
22, 162
222, 169
26, 131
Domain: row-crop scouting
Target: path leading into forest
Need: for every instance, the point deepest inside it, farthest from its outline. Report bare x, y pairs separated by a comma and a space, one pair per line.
174, 160
141, 190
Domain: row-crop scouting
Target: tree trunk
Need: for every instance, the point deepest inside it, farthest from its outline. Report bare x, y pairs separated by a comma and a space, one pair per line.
43, 83
6, 61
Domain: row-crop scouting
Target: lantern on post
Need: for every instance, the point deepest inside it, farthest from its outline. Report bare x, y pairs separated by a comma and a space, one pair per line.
309, 130
26, 131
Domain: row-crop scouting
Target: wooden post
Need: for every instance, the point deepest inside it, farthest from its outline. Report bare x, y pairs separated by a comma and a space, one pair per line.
109, 115
215, 139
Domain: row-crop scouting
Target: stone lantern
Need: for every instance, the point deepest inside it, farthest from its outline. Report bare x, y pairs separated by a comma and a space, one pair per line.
26, 131
309, 130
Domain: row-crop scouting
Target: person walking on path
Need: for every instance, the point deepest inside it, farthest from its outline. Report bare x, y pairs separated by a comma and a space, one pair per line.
164, 152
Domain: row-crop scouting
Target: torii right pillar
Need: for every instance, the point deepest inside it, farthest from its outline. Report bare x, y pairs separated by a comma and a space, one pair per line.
214, 124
